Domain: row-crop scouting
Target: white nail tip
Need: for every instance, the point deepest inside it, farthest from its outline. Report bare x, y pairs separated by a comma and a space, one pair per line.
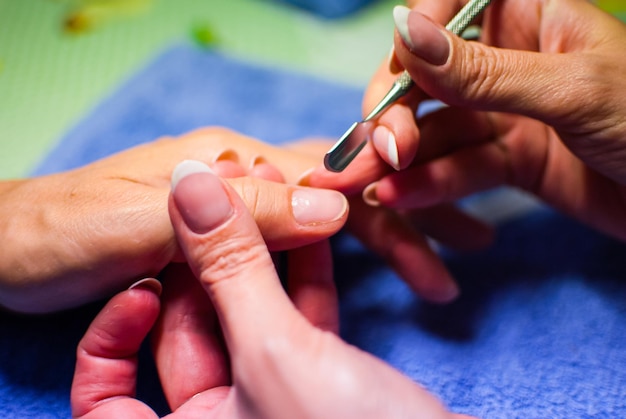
401, 19
392, 151
186, 168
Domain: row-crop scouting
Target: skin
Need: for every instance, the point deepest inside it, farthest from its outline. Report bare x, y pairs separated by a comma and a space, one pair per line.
278, 357
87, 233
566, 148
537, 104
105, 225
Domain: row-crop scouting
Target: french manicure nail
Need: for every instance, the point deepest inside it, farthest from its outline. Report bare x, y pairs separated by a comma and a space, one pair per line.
421, 35
385, 142
199, 196
317, 206
148, 283
369, 195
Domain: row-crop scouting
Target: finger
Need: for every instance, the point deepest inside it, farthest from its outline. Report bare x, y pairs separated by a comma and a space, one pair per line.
395, 136
447, 179
366, 168
452, 227
228, 169
406, 251
227, 253
311, 286
262, 169
291, 216
471, 74
439, 136
250, 152
188, 348
266, 336
106, 359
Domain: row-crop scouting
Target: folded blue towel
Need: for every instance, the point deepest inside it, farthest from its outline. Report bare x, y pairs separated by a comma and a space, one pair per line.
537, 333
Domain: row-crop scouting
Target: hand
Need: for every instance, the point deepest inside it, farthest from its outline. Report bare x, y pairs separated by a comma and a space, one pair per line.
105, 225
537, 104
281, 364
87, 233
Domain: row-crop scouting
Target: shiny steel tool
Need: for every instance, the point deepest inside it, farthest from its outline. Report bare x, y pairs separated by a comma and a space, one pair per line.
355, 138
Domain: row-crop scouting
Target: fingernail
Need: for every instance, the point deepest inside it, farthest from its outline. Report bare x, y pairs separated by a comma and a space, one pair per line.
421, 35
392, 60
305, 178
385, 142
199, 196
317, 206
148, 283
256, 161
226, 155
369, 195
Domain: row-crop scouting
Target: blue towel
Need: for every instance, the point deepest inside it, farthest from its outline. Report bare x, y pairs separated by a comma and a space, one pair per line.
539, 331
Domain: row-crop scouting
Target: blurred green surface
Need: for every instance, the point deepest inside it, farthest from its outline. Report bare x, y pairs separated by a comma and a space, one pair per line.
50, 78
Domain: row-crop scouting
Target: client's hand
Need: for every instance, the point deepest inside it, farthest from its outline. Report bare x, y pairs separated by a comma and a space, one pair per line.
87, 233
282, 366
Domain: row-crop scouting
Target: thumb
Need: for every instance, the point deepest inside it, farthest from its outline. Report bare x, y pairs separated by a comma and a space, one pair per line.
471, 74
226, 252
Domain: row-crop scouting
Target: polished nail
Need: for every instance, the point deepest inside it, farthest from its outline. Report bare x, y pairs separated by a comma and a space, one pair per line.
148, 283
385, 143
369, 195
421, 35
317, 206
199, 196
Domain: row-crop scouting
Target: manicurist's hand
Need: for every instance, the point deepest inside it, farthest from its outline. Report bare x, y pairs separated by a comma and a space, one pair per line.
281, 364
539, 103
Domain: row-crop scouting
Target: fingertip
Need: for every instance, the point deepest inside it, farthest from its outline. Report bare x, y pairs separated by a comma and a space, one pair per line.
265, 170
385, 143
313, 206
186, 168
150, 284
370, 196
200, 197
394, 64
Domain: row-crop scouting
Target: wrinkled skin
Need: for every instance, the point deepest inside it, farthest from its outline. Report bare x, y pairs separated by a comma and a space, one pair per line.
539, 104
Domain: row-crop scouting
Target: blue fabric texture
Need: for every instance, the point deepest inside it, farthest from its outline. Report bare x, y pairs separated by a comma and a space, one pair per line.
330, 8
537, 333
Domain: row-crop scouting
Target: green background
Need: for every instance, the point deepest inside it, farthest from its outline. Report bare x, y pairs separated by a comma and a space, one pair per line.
50, 78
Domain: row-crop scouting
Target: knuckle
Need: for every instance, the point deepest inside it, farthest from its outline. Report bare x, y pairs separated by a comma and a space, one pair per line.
231, 258
483, 70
